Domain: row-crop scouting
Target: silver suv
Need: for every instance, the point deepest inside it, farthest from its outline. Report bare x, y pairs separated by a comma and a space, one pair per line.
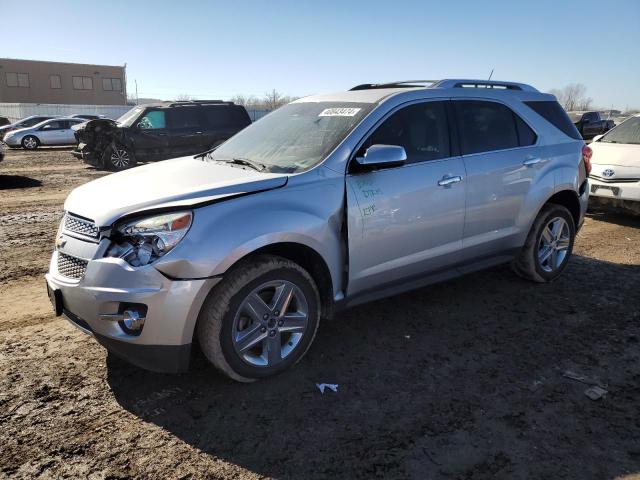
328, 202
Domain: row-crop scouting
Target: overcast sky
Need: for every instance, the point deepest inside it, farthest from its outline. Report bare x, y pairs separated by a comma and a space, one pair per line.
219, 49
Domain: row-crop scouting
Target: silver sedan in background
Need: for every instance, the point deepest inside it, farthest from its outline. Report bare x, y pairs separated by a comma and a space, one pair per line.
56, 131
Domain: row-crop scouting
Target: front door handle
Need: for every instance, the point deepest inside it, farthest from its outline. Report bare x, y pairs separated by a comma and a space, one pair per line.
531, 161
449, 180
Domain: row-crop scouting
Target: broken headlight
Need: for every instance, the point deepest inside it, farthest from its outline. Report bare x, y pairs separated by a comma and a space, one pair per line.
143, 241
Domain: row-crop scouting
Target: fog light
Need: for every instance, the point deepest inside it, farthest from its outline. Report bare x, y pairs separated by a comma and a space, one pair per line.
132, 320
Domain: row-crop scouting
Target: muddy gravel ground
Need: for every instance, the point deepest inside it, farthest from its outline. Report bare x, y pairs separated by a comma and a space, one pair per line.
473, 378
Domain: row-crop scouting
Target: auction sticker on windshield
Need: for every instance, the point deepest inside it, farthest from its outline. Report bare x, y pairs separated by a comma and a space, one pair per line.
339, 112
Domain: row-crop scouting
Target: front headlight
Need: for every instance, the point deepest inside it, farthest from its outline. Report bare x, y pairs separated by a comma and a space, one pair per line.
142, 241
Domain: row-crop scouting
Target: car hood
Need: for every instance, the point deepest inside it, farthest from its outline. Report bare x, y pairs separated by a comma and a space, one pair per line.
18, 131
7, 128
182, 182
625, 155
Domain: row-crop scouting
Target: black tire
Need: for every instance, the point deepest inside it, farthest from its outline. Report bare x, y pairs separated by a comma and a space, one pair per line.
216, 320
527, 264
125, 159
30, 142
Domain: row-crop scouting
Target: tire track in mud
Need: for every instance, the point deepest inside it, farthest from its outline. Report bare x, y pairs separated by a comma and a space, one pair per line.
30, 216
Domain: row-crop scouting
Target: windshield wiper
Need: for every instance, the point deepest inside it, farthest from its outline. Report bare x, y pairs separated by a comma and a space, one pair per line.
245, 162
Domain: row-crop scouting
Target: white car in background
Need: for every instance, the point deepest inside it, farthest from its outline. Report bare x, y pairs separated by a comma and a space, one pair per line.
56, 131
615, 174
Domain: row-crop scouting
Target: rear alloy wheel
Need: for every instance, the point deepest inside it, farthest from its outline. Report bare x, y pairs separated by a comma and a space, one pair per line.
554, 244
30, 142
261, 319
119, 158
549, 245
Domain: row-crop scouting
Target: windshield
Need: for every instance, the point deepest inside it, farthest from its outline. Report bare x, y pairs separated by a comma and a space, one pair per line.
627, 132
30, 122
295, 137
128, 118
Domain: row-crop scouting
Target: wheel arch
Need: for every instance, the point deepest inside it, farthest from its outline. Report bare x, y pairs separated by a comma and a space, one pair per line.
38, 141
309, 259
568, 199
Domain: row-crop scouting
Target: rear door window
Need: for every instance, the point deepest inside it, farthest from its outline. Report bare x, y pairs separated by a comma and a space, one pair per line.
553, 113
422, 129
184, 118
225, 116
485, 126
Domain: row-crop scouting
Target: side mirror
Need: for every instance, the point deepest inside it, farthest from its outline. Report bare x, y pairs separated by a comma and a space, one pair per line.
383, 155
586, 120
597, 137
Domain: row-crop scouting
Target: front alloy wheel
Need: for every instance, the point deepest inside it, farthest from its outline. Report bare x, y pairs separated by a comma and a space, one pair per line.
120, 159
260, 319
270, 323
30, 142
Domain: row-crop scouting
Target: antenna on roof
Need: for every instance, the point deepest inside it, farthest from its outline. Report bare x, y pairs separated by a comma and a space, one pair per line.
490, 75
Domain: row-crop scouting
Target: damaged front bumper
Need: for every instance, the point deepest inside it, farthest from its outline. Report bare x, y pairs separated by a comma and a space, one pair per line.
86, 154
93, 291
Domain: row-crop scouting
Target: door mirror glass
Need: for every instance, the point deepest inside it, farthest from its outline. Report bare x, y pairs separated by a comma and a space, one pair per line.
383, 155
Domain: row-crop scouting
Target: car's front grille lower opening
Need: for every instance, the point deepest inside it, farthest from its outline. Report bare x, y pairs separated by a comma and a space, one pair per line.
80, 226
71, 267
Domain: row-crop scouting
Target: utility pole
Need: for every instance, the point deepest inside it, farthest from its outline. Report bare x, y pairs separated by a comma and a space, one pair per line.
137, 101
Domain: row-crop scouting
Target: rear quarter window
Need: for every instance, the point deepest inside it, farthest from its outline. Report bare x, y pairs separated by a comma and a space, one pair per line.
226, 116
525, 134
553, 113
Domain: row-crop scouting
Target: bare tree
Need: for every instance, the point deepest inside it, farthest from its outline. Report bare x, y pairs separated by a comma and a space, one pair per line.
273, 99
573, 97
245, 100
184, 97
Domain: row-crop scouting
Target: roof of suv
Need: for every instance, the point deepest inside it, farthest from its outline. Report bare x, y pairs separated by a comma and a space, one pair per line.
374, 93
186, 103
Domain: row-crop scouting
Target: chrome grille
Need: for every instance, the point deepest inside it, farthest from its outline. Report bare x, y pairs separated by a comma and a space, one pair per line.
71, 267
81, 226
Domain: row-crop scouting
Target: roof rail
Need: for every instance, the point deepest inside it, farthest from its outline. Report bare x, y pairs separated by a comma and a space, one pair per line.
198, 102
466, 83
398, 84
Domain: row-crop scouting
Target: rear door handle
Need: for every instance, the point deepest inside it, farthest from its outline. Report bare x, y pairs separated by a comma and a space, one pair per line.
531, 161
449, 180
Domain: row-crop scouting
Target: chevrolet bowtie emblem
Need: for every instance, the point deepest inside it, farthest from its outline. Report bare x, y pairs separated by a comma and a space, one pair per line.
60, 242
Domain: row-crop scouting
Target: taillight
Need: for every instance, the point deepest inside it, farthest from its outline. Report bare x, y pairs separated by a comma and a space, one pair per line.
586, 157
